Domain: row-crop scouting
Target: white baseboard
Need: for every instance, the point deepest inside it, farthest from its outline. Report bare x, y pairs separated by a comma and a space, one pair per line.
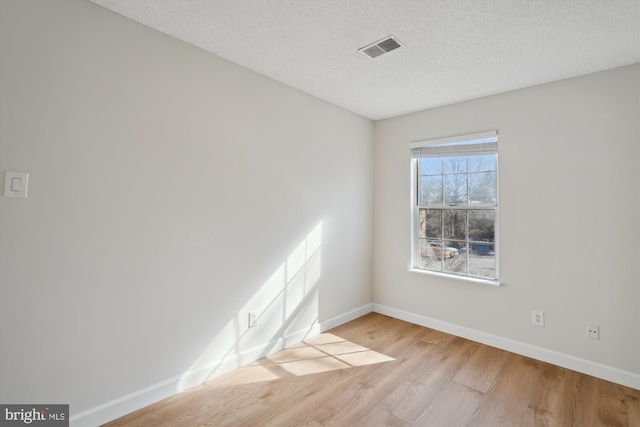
346, 317
584, 366
139, 399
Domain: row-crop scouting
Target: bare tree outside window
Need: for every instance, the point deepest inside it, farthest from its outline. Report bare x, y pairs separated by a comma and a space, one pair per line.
457, 198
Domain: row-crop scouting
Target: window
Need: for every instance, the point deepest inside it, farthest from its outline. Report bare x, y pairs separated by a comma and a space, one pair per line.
455, 206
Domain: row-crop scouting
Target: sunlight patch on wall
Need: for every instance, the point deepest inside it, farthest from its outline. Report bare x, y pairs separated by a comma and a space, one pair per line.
287, 307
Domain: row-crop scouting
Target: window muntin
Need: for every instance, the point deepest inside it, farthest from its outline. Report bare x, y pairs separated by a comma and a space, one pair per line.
455, 208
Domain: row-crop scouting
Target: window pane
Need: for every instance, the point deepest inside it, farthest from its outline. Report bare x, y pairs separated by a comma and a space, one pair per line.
482, 188
482, 260
455, 224
430, 166
482, 163
455, 257
431, 223
481, 226
431, 190
455, 164
455, 187
453, 237
428, 258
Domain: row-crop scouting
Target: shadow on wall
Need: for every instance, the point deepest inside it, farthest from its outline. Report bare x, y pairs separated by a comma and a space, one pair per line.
287, 312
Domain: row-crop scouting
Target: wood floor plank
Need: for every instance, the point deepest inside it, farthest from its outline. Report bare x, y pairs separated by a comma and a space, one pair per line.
482, 368
553, 401
377, 332
379, 418
508, 399
632, 403
420, 388
267, 394
182, 411
213, 420
354, 402
374, 385
308, 422
600, 403
454, 405
379, 371
285, 411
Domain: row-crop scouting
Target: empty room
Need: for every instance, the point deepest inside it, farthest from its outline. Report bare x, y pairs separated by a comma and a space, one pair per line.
320, 213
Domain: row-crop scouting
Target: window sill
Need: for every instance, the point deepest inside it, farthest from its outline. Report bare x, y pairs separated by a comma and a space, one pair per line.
486, 282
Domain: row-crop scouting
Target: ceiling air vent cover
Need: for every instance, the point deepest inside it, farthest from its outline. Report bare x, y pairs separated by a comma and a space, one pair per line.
380, 47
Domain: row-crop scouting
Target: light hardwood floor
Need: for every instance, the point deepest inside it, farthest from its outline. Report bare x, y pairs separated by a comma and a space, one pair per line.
379, 371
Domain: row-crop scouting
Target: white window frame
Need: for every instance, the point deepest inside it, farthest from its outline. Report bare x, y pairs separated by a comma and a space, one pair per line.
462, 145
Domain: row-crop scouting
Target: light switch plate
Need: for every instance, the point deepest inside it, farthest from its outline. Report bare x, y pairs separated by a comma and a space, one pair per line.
16, 184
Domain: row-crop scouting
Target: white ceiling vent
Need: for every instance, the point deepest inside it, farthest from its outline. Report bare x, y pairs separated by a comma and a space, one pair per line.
380, 47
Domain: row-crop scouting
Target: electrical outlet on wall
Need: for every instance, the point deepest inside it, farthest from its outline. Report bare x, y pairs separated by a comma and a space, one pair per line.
537, 317
253, 319
593, 331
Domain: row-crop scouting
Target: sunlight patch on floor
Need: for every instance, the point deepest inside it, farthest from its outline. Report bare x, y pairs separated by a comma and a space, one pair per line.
325, 352
322, 353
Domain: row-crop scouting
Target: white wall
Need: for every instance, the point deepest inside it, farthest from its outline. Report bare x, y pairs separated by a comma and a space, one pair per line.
569, 190
170, 193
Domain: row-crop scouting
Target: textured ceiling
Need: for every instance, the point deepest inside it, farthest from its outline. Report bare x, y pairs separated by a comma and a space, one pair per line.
453, 50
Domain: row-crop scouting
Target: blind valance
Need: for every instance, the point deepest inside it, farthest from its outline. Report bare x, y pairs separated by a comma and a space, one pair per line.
462, 145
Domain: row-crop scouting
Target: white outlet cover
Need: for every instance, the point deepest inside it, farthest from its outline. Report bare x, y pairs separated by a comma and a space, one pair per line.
593, 331
16, 184
253, 319
537, 317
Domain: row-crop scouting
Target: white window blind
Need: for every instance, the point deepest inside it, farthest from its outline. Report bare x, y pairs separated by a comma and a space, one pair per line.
462, 145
